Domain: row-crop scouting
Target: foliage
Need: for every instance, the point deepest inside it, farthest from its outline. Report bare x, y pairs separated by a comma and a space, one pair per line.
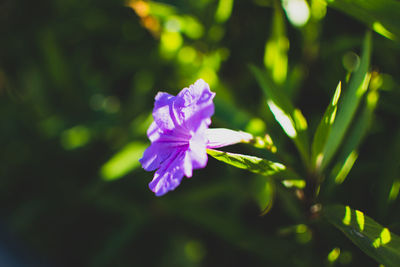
371, 237
319, 88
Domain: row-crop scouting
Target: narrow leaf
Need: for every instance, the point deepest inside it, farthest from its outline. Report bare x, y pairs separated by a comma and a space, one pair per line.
348, 152
346, 166
348, 104
250, 163
324, 127
291, 119
372, 238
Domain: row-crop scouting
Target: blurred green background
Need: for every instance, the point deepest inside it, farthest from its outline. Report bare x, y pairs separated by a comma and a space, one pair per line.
77, 85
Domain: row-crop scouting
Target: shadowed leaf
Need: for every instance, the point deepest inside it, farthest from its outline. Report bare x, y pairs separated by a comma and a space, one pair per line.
382, 16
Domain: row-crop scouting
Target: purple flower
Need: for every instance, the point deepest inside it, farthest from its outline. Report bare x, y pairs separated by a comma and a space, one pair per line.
179, 136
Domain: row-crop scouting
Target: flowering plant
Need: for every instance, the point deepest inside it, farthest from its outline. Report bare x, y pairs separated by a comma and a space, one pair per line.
181, 138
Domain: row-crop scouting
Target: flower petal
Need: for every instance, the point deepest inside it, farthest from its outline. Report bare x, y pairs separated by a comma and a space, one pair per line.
198, 158
197, 148
155, 155
169, 175
162, 113
194, 105
219, 137
153, 132
187, 165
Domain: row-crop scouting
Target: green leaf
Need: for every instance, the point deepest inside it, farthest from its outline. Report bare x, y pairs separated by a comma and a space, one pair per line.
324, 127
264, 193
250, 163
348, 104
372, 238
291, 119
348, 152
382, 16
124, 161
290, 203
342, 169
387, 190
275, 57
357, 131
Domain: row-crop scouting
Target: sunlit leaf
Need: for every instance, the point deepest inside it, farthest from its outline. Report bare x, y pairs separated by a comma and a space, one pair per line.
224, 10
324, 127
348, 104
348, 152
382, 16
372, 238
124, 161
361, 124
250, 163
276, 48
291, 119
346, 166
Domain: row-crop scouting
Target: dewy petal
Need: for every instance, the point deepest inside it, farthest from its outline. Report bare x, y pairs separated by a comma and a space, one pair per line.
219, 137
169, 175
